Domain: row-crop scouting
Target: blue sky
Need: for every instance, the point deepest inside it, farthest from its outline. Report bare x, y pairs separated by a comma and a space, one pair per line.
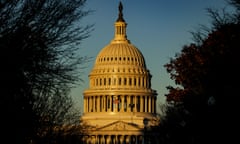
158, 28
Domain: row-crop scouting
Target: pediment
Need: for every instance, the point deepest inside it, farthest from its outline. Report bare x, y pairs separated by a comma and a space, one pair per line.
119, 126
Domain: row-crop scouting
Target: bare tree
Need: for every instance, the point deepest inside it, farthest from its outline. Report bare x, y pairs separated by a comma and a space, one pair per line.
40, 43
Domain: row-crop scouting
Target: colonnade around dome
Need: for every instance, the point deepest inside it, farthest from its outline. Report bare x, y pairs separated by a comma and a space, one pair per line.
120, 103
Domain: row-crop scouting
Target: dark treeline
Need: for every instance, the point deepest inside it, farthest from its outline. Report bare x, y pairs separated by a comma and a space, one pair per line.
41, 61
202, 108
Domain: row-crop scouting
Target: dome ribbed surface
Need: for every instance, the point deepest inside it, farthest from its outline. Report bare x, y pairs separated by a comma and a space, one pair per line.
120, 53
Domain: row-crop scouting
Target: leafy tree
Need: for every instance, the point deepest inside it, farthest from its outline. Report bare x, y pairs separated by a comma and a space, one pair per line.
42, 62
207, 74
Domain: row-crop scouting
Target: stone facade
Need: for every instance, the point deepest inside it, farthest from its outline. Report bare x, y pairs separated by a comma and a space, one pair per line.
119, 105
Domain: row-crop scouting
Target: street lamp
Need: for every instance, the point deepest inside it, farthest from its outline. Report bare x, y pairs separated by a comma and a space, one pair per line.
145, 122
131, 105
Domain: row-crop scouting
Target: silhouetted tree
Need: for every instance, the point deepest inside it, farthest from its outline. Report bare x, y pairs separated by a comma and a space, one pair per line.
207, 74
41, 62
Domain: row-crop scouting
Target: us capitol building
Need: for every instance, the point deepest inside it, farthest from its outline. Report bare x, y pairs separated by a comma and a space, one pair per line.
119, 105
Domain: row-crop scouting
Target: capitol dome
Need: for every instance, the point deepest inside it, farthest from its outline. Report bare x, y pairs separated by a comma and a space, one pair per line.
120, 51
120, 61
119, 96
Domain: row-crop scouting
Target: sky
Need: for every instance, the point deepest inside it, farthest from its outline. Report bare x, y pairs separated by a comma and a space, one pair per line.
158, 28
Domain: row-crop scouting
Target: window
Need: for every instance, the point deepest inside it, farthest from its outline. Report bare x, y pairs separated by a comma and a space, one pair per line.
130, 81
125, 81
104, 82
109, 81
114, 81
119, 82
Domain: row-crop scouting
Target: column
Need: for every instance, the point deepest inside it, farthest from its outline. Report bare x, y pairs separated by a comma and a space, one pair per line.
84, 104
84, 139
108, 139
137, 82
90, 104
121, 139
115, 104
111, 103
128, 139
115, 140
108, 103
87, 104
98, 104
118, 102
146, 103
103, 141
93, 139
141, 104
122, 103
152, 104
89, 140
135, 103
149, 103
132, 139
144, 82
128, 102
94, 104
103, 103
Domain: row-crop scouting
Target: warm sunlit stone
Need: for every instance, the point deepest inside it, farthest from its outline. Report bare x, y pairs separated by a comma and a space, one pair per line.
119, 104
